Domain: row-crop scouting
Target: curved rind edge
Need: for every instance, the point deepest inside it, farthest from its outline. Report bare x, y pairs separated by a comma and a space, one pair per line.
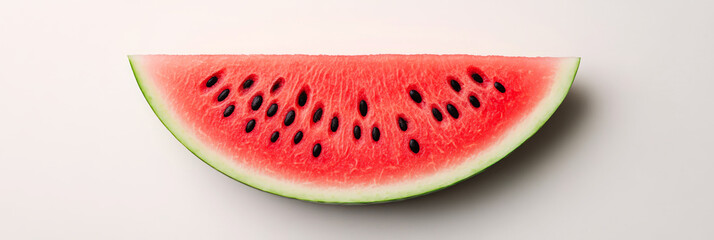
526, 128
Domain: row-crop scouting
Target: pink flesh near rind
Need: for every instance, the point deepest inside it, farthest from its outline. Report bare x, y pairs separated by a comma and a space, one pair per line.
350, 170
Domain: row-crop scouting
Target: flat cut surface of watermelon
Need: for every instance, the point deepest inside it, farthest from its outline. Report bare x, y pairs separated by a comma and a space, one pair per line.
352, 129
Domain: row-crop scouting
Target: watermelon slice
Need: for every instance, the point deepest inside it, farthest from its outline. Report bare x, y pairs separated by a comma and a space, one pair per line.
352, 129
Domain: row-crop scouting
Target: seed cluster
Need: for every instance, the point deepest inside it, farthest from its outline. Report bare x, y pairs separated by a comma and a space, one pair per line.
362, 108
455, 85
256, 103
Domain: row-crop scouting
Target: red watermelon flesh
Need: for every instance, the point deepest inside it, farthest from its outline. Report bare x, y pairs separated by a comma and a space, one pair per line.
406, 124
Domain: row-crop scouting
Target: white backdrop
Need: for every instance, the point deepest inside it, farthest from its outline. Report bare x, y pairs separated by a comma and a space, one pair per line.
626, 156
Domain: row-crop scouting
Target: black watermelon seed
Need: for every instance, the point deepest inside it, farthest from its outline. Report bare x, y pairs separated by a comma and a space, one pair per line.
316, 150
476, 77
302, 98
272, 110
317, 115
415, 96
249, 127
437, 114
334, 124
276, 85
257, 101
274, 137
363, 108
375, 134
499, 87
455, 85
474, 101
289, 118
212, 81
223, 95
358, 132
229, 110
402, 124
414, 146
452, 111
298, 137
247, 83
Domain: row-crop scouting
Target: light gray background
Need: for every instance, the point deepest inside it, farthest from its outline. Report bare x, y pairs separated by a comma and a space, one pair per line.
626, 156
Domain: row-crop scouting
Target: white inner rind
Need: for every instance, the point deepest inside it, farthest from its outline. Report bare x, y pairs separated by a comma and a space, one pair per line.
226, 164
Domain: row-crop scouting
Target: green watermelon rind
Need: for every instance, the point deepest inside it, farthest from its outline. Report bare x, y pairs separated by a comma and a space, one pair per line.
549, 104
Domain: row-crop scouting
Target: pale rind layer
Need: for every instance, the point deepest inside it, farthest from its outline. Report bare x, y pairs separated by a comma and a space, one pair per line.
514, 137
